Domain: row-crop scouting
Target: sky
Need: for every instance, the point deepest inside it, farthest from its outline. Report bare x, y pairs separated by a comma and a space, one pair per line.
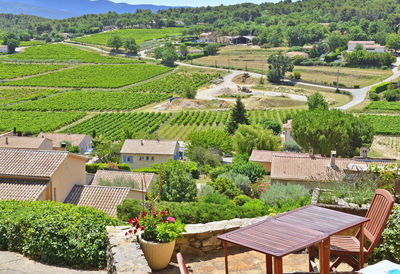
191, 3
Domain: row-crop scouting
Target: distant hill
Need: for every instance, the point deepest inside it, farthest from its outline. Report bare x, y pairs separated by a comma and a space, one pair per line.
59, 9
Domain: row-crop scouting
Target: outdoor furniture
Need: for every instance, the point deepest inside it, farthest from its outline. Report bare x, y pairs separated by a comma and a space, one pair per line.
292, 231
347, 247
181, 263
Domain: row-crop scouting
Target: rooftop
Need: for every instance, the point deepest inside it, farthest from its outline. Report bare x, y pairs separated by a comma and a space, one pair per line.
57, 138
288, 125
21, 189
103, 198
362, 42
22, 142
136, 146
111, 175
265, 156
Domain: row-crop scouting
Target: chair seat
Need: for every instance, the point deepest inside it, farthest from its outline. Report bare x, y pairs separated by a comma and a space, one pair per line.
345, 244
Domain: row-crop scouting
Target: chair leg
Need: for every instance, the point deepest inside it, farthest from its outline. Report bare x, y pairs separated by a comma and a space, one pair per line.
336, 263
311, 257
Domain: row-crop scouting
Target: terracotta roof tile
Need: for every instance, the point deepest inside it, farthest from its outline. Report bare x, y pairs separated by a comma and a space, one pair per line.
111, 175
57, 138
135, 146
21, 189
103, 198
265, 156
33, 163
22, 142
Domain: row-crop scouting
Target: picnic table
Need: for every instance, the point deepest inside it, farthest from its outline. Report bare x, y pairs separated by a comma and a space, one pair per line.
293, 231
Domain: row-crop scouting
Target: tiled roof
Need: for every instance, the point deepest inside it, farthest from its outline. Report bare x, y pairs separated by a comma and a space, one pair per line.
373, 46
33, 163
314, 168
57, 138
152, 147
103, 198
21, 189
265, 156
22, 142
362, 42
111, 175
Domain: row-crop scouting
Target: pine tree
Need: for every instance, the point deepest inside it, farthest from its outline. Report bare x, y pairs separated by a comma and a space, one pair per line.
238, 116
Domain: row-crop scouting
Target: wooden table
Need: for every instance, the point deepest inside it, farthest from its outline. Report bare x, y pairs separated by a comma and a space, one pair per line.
292, 231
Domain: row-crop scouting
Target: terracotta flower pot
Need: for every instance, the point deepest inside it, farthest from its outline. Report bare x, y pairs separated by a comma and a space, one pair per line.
158, 255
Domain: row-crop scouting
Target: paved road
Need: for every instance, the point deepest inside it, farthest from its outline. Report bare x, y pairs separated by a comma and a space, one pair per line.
359, 95
14, 263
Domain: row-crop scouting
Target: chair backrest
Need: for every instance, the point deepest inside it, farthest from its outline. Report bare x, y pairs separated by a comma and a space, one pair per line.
181, 263
378, 214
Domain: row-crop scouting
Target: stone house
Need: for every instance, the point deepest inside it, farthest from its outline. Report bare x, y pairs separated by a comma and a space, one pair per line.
367, 45
27, 143
39, 174
264, 157
144, 153
84, 142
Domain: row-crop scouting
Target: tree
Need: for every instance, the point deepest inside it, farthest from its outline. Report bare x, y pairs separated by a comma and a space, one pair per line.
158, 52
316, 100
225, 186
279, 65
336, 40
169, 56
107, 151
216, 139
131, 46
250, 137
273, 125
183, 50
211, 49
204, 156
190, 92
319, 49
177, 183
326, 130
238, 116
12, 44
115, 42
393, 41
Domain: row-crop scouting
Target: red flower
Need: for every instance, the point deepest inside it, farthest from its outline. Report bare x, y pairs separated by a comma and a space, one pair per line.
130, 221
130, 231
163, 212
164, 221
144, 213
126, 233
135, 231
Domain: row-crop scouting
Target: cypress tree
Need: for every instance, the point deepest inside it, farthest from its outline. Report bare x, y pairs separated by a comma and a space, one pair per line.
238, 116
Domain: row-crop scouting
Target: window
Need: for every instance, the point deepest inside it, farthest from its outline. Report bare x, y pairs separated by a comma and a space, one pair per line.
130, 159
147, 158
152, 158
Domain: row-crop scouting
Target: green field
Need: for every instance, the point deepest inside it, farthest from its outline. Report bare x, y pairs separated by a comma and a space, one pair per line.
63, 53
36, 121
10, 71
92, 76
91, 100
388, 125
11, 95
140, 35
383, 105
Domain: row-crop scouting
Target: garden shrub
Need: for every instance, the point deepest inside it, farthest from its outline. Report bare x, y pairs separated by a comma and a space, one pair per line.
254, 171
381, 87
92, 168
215, 198
225, 186
279, 193
241, 200
55, 233
374, 97
205, 190
242, 182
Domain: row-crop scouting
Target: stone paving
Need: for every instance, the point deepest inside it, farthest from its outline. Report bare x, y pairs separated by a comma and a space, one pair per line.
240, 261
14, 263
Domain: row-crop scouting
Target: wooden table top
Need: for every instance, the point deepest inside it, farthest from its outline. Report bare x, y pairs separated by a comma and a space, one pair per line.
293, 230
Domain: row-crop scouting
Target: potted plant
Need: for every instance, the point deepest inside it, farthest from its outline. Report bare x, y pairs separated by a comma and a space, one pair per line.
158, 231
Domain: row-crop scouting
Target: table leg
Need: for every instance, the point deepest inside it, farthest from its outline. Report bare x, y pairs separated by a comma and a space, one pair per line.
311, 257
361, 246
268, 260
278, 265
226, 257
324, 255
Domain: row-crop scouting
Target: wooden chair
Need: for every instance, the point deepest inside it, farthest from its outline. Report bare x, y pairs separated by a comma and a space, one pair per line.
181, 263
347, 248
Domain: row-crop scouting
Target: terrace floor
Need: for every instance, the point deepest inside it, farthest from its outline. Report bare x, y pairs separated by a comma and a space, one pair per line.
240, 261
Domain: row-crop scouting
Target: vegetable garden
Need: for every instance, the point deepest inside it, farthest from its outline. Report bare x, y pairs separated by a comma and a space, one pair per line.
92, 76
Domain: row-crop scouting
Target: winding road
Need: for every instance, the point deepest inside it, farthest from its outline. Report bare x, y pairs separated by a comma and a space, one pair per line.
358, 95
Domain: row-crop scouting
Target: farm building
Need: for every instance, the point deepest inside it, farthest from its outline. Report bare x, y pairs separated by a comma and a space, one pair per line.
84, 142
238, 40
367, 45
144, 153
27, 143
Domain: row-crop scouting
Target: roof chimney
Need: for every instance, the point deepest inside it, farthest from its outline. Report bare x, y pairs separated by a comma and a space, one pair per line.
364, 152
6, 140
333, 158
63, 146
311, 151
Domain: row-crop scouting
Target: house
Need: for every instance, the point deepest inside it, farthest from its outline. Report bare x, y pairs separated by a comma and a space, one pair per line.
292, 54
39, 174
144, 153
3, 49
243, 40
367, 45
140, 181
104, 198
84, 142
287, 131
311, 170
264, 157
27, 143
207, 37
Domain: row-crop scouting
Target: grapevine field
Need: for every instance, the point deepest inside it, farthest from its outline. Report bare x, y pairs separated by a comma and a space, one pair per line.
63, 53
10, 71
389, 125
92, 76
91, 100
36, 121
140, 35
383, 105
11, 95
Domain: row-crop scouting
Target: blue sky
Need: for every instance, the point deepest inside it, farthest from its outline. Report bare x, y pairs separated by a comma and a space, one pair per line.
192, 3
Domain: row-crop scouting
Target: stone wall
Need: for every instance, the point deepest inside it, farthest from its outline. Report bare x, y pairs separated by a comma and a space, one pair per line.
124, 254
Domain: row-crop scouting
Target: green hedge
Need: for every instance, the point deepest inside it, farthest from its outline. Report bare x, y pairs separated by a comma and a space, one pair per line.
92, 168
55, 233
381, 87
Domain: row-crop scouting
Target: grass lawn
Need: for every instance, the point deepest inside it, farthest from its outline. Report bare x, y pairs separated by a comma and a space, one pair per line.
140, 35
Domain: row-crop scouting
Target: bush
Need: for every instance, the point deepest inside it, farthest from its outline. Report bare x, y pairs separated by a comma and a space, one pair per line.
374, 97
225, 186
215, 198
241, 181
381, 87
92, 168
254, 171
356, 86
55, 233
392, 95
241, 200
283, 193
297, 75
292, 146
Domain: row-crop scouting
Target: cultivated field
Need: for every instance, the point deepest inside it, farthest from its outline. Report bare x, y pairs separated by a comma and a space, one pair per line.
10, 71
388, 146
140, 35
12, 95
383, 105
382, 124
